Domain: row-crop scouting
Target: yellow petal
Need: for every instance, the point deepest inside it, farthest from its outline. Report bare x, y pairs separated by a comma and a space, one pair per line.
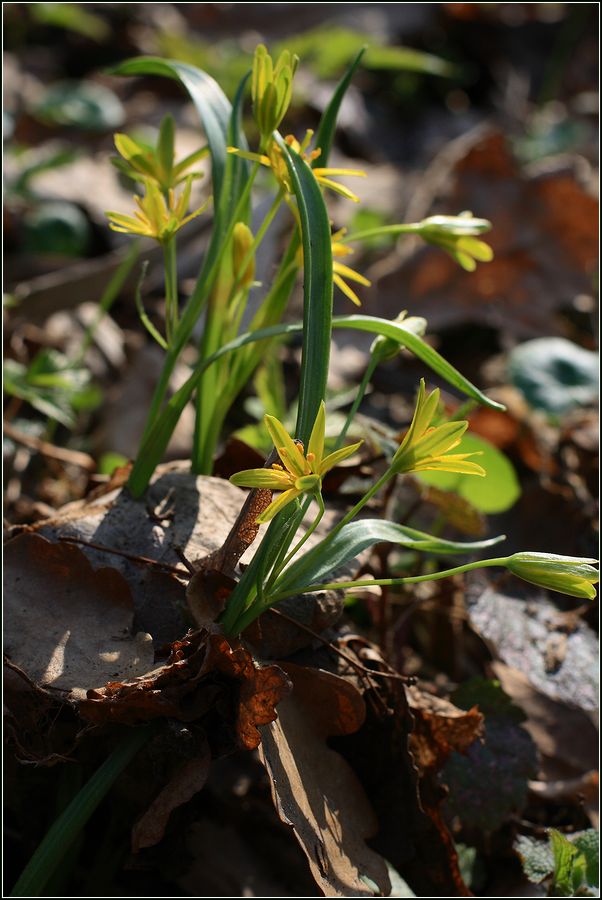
349, 292
262, 478
290, 454
316, 440
333, 459
278, 504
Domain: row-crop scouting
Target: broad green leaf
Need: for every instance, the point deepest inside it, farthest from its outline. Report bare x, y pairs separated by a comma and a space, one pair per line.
554, 374
494, 493
317, 288
349, 542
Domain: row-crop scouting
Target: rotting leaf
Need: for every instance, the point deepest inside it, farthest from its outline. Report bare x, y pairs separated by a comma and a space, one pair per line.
188, 779
504, 761
68, 624
520, 625
440, 728
412, 835
316, 792
188, 685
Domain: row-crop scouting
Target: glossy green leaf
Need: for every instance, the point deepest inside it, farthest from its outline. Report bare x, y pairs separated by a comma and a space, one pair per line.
319, 562
327, 126
495, 493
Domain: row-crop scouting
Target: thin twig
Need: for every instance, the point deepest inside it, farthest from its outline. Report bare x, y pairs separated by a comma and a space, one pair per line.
62, 454
141, 560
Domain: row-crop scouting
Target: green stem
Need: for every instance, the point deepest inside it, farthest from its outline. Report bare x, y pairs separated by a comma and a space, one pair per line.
65, 829
390, 582
208, 393
171, 289
374, 360
279, 567
411, 228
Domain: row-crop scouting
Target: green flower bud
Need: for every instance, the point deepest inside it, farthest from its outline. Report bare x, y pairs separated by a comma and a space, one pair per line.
570, 575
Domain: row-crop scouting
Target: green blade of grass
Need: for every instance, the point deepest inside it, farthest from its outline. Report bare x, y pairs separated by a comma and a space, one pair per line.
327, 126
317, 288
65, 829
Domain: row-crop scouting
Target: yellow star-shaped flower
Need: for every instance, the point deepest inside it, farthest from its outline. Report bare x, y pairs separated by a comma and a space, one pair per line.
427, 448
156, 217
299, 473
274, 160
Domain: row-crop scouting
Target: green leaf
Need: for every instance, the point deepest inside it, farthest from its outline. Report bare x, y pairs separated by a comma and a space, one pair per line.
327, 126
406, 59
554, 374
494, 493
589, 844
317, 288
321, 560
80, 104
536, 857
159, 433
211, 103
165, 144
565, 857
71, 17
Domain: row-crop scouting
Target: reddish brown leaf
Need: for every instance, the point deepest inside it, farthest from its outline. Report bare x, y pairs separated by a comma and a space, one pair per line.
188, 779
440, 728
187, 686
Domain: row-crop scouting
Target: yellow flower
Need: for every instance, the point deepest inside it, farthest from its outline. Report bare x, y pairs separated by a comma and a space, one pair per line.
457, 235
341, 271
274, 160
156, 217
570, 575
299, 473
427, 448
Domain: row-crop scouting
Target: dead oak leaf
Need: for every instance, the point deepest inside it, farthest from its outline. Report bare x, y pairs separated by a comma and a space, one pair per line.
187, 780
68, 625
201, 667
440, 728
316, 792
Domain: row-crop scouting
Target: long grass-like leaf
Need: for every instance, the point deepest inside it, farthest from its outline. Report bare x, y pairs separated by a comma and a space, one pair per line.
317, 288
318, 563
65, 829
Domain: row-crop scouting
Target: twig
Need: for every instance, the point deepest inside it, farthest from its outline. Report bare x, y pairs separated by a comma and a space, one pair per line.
75, 457
141, 560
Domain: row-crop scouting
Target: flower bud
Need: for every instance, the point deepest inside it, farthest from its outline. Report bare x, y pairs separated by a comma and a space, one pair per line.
570, 575
242, 241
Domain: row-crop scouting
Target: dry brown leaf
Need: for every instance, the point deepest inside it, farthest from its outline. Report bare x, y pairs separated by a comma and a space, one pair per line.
188, 686
188, 779
316, 792
68, 625
544, 236
440, 728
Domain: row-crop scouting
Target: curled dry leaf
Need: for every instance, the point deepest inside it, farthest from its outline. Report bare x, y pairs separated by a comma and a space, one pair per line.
68, 625
315, 791
187, 780
188, 686
440, 728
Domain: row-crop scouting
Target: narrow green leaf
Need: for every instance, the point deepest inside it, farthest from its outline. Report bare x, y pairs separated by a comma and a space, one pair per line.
158, 435
317, 288
165, 144
420, 348
319, 562
65, 829
327, 126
